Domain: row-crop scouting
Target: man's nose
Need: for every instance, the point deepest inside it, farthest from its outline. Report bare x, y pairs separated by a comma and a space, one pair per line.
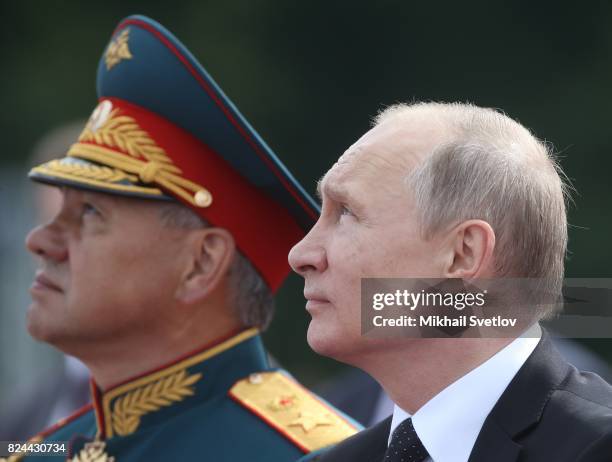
307, 256
46, 241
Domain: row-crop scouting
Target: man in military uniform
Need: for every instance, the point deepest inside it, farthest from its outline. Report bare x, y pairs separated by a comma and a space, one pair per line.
159, 269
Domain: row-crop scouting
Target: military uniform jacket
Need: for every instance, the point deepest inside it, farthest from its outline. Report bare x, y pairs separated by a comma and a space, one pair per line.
222, 403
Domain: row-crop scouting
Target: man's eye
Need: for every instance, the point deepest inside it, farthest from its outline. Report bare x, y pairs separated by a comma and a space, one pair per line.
344, 210
89, 209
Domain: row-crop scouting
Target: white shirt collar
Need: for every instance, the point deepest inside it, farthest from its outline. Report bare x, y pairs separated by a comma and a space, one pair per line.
449, 423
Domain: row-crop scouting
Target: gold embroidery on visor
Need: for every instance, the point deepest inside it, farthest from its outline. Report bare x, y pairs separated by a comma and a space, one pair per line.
93, 175
92, 172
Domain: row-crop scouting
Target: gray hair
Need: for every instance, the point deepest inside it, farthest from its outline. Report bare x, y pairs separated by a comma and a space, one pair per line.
251, 297
492, 168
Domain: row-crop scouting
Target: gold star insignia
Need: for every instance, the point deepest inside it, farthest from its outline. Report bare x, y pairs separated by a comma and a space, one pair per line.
309, 421
118, 50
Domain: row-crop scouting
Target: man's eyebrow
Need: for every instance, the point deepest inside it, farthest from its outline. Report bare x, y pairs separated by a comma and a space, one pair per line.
336, 192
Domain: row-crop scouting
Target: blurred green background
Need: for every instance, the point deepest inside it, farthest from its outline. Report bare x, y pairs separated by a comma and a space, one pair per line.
310, 75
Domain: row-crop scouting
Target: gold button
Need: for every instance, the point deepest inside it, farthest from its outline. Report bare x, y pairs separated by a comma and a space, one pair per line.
203, 198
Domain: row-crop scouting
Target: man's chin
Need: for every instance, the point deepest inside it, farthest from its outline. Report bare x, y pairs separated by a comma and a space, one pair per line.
38, 324
324, 340
34, 327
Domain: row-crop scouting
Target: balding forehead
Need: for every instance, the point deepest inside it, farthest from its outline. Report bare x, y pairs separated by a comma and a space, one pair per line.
354, 177
403, 142
386, 153
364, 161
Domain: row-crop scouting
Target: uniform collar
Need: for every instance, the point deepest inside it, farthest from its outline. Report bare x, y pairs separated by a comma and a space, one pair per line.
151, 398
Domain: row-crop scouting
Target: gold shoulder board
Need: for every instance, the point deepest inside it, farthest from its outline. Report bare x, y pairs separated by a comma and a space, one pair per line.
292, 410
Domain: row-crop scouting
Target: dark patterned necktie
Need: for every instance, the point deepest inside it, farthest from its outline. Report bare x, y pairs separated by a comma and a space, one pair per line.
405, 445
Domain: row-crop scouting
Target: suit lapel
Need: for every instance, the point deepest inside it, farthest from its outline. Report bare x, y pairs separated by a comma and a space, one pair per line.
493, 443
521, 406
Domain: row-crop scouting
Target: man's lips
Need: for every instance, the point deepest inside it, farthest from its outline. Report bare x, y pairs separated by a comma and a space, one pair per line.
314, 299
43, 282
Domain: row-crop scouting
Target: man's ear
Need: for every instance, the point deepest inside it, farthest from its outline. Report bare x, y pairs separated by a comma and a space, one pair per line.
472, 244
213, 250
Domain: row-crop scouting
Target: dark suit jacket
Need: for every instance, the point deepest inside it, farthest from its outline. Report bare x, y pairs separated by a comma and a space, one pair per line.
549, 412
357, 394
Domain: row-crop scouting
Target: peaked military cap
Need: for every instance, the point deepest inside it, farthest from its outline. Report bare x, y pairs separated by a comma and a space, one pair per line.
164, 130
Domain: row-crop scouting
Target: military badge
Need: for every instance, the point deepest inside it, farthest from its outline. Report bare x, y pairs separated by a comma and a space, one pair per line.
118, 50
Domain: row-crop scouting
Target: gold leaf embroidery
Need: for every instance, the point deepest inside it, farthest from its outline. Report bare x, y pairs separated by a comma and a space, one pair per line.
93, 452
128, 409
122, 132
118, 50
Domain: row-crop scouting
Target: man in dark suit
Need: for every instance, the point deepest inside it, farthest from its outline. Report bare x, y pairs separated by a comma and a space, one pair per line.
451, 192
360, 396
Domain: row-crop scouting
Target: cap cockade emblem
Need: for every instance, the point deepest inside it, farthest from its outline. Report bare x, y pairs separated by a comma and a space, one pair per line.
118, 50
100, 115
